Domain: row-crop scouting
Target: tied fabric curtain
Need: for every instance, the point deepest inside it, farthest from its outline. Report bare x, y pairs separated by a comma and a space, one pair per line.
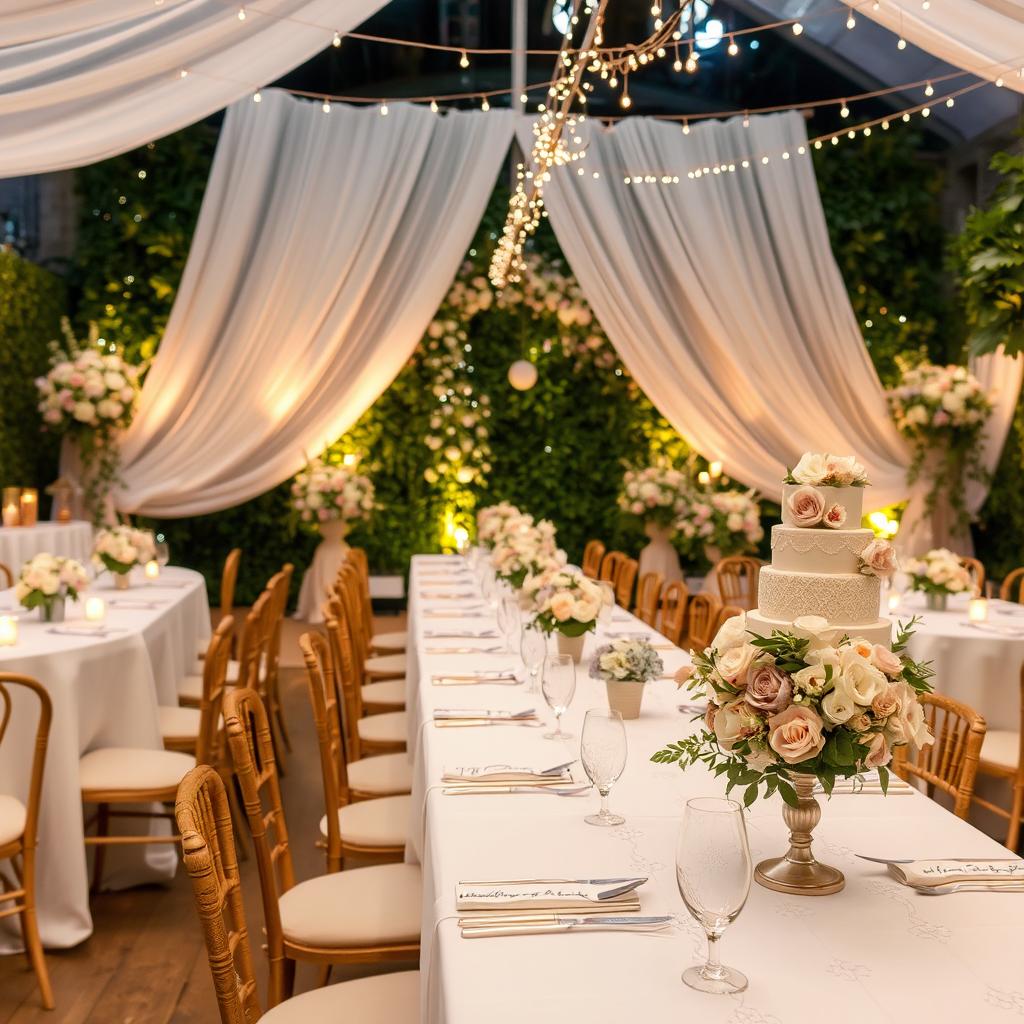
324, 245
82, 80
724, 301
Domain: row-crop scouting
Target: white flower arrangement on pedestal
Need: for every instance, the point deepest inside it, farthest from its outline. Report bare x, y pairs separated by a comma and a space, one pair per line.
490, 522
46, 580
728, 521
656, 494
327, 493
523, 548
119, 548
940, 571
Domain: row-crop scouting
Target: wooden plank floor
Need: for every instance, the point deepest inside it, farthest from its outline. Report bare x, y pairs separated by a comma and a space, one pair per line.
145, 962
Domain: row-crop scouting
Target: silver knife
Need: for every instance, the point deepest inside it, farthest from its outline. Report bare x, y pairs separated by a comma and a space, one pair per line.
566, 924
482, 790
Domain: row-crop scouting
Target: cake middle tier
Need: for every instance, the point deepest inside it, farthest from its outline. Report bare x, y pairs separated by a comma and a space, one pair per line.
822, 551
844, 599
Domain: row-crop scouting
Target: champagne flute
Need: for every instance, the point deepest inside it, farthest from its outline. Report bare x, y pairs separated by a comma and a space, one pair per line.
603, 753
508, 619
558, 684
713, 871
163, 551
533, 647
604, 615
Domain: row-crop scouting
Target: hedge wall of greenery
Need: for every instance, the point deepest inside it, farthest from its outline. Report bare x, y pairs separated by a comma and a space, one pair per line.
32, 301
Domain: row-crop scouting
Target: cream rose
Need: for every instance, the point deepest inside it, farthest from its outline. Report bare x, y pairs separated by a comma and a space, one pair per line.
806, 506
734, 665
911, 717
815, 629
735, 722
885, 661
810, 680
886, 703
838, 705
879, 753
879, 559
811, 469
865, 682
796, 734
562, 606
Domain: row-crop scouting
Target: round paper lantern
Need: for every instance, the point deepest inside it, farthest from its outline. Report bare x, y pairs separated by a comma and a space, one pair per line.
522, 375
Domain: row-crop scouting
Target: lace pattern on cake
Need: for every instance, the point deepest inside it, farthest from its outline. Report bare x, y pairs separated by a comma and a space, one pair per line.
825, 542
843, 600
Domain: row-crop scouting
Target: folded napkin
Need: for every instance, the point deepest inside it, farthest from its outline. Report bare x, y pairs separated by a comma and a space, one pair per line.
434, 595
611, 894
929, 874
477, 679
508, 773
461, 634
482, 714
83, 629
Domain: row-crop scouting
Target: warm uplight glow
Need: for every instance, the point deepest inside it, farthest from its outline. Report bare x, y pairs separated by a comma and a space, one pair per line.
715, 469
8, 630
894, 601
350, 459
461, 535
95, 609
704, 477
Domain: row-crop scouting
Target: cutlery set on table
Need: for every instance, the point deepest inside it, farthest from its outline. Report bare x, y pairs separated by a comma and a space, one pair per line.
498, 779
467, 717
955, 874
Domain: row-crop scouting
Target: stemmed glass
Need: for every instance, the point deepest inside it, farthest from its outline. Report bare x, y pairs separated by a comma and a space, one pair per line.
558, 684
508, 619
604, 616
163, 551
533, 648
603, 752
713, 871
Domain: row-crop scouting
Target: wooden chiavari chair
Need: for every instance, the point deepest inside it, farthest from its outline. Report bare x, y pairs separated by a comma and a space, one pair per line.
208, 849
6, 576
228, 582
737, 580
727, 611
648, 597
950, 764
1012, 588
703, 611
977, 572
360, 916
376, 667
610, 566
19, 825
674, 600
1002, 757
390, 642
593, 553
385, 733
374, 829
280, 585
624, 581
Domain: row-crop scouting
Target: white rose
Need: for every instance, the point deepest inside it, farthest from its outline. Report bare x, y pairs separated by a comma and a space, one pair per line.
735, 722
810, 680
810, 469
816, 629
732, 634
865, 682
838, 705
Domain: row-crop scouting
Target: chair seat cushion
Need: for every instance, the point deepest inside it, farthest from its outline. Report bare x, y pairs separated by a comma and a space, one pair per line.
126, 768
389, 691
392, 727
381, 822
1001, 747
359, 907
387, 774
385, 666
12, 818
381, 999
191, 687
390, 642
177, 723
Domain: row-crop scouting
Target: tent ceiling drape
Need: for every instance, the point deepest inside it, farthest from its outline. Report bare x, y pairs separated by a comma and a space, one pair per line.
323, 248
82, 80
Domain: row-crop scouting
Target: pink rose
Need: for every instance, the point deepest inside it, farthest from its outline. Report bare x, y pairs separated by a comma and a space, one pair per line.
835, 516
885, 703
885, 661
879, 559
796, 734
879, 753
768, 688
562, 605
683, 675
806, 506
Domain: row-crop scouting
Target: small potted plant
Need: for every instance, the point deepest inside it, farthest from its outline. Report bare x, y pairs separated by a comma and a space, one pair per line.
119, 548
567, 604
938, 574
626, 666
47, 581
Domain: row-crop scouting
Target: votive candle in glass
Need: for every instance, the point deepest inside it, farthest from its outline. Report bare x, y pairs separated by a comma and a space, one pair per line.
715, 469
8, 630
152, 570
894, 601
977, 610
12, 507
29, 506
95, 609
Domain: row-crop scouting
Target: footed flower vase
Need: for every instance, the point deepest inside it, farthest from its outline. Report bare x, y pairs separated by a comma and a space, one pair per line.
659, 555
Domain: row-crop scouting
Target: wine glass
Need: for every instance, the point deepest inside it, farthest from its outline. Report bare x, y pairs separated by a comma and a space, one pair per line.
604, 615
533, 647
603, 752
713, 871
558, 684
163, 551
508, 619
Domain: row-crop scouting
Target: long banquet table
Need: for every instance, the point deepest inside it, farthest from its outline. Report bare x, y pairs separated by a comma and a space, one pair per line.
105, 691
876, 951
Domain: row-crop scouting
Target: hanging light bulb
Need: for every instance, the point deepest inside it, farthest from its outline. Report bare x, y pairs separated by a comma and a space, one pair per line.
901, 44
733, 47
686, 127
464, 60
844, 111
336, 41
326, 106
928, 90
797, 28
383, 110
256, 97
485, 105
241, 14
949, 102
999, 83
851, 22
433, 106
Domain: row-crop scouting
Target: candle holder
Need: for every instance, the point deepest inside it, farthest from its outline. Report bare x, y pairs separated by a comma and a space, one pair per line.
12, 506
28, 505
977, 610
95, 609
152, 570
8, 630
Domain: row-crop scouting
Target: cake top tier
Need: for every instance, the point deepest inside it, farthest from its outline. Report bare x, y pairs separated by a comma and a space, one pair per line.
820, 469
822, 508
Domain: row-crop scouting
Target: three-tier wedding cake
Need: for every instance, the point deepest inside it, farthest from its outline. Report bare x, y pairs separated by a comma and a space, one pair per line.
823, 563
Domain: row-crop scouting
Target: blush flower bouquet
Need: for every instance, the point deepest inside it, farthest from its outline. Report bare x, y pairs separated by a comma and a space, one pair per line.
723, 523
45, 581
656, 494
119, 548
566, 601
327, 493
491, 520
523, 548
938, 574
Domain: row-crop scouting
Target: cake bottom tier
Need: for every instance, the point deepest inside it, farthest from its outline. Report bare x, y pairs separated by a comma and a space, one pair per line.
877, 632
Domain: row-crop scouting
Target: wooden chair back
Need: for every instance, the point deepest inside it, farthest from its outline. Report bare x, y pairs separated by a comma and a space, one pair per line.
208, 848
737, 580
610, 566
209, 744
674, 600
1012, 773
703, 613
252, 753
279, 587
628, 568
593, 553
648, 597
358, 560
255, 637
345, 674
950, 764
977, 572
1012, 588
347, 590
323, 699
229, 580
9, 680
6, 576
727, 611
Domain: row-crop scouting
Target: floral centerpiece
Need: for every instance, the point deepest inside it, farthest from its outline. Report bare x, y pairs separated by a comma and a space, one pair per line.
568, 604
524, 548
938, 574
89, 394
721, 523
491, 520
329, 493
625, 665
47, 581
119, 548
808, 705
657, 494
820, 469
942, 411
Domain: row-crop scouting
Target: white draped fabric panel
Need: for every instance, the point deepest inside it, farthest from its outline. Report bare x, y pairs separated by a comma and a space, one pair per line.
324, 245
985, 37
82, 80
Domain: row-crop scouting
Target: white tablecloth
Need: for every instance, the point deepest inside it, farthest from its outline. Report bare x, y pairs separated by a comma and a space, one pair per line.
875, 952
19, 543
105, 692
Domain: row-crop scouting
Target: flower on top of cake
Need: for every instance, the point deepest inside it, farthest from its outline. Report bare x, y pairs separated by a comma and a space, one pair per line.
820, 469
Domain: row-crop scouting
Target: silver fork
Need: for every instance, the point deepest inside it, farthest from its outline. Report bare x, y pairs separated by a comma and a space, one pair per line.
945, 890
